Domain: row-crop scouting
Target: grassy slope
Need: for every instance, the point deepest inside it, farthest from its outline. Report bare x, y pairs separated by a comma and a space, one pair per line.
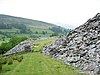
17, 25
6, 40
38, 64
29, 23
40, 30
9, 30
41, 43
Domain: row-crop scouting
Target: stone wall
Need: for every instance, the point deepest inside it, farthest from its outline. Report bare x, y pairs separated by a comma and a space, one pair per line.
80, 48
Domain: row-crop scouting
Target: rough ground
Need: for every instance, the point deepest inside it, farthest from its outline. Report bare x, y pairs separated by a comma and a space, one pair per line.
36, 63
81, 47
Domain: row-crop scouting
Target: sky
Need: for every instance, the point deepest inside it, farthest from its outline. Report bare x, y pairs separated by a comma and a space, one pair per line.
70, 13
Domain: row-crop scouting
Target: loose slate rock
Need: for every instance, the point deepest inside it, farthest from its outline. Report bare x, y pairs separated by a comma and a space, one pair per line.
79, 48
23, 46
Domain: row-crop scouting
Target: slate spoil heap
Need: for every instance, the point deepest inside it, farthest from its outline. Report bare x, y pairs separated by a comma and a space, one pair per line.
80, 48
23, 46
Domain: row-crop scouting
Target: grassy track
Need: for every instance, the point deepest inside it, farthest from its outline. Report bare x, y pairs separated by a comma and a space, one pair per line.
35, 63
40, 44
38, 64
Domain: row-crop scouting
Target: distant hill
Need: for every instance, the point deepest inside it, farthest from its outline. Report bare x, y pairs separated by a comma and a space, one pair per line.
11, 25
18, 20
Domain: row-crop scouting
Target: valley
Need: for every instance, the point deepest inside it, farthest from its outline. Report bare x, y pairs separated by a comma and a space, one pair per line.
49, 37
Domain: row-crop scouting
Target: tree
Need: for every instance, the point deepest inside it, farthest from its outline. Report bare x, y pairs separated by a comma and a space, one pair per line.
36, 32
54, 34
43, 32
57, 29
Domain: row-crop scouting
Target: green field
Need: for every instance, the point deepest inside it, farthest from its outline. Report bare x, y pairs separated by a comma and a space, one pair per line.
40, 30
35, 33
35, 63
10, 30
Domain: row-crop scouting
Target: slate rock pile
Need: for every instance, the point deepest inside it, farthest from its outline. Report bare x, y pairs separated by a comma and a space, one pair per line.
24, 45
80, 48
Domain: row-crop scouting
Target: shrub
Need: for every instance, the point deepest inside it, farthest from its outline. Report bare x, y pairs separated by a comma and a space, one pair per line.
54, 34
0, 63
14, 57
57, 66
0, 67
19, 59
10, 61
4, 61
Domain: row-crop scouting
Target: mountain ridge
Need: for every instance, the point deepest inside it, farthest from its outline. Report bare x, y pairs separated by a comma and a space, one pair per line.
9, 16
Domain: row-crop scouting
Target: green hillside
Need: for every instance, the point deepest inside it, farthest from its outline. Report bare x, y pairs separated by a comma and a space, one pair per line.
10, 25
18, 20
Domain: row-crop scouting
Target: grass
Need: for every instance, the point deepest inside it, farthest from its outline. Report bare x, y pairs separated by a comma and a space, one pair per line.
38, 45
5, 40
38, 64
16, 32
41, 30
35, 63
9, 30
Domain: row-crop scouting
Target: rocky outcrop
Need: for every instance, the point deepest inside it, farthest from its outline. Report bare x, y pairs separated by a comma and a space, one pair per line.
24, 45
80, 48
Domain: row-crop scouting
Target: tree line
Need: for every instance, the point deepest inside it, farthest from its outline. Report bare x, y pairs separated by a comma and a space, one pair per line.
58, 29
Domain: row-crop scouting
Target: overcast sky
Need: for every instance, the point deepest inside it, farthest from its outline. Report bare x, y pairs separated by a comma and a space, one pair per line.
72, 12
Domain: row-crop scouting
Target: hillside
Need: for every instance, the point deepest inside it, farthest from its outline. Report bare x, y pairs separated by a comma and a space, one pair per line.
18, 20
10, 25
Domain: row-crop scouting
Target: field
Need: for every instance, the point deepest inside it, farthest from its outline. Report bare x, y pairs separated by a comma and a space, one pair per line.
10, 30
35, 63
35, 32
